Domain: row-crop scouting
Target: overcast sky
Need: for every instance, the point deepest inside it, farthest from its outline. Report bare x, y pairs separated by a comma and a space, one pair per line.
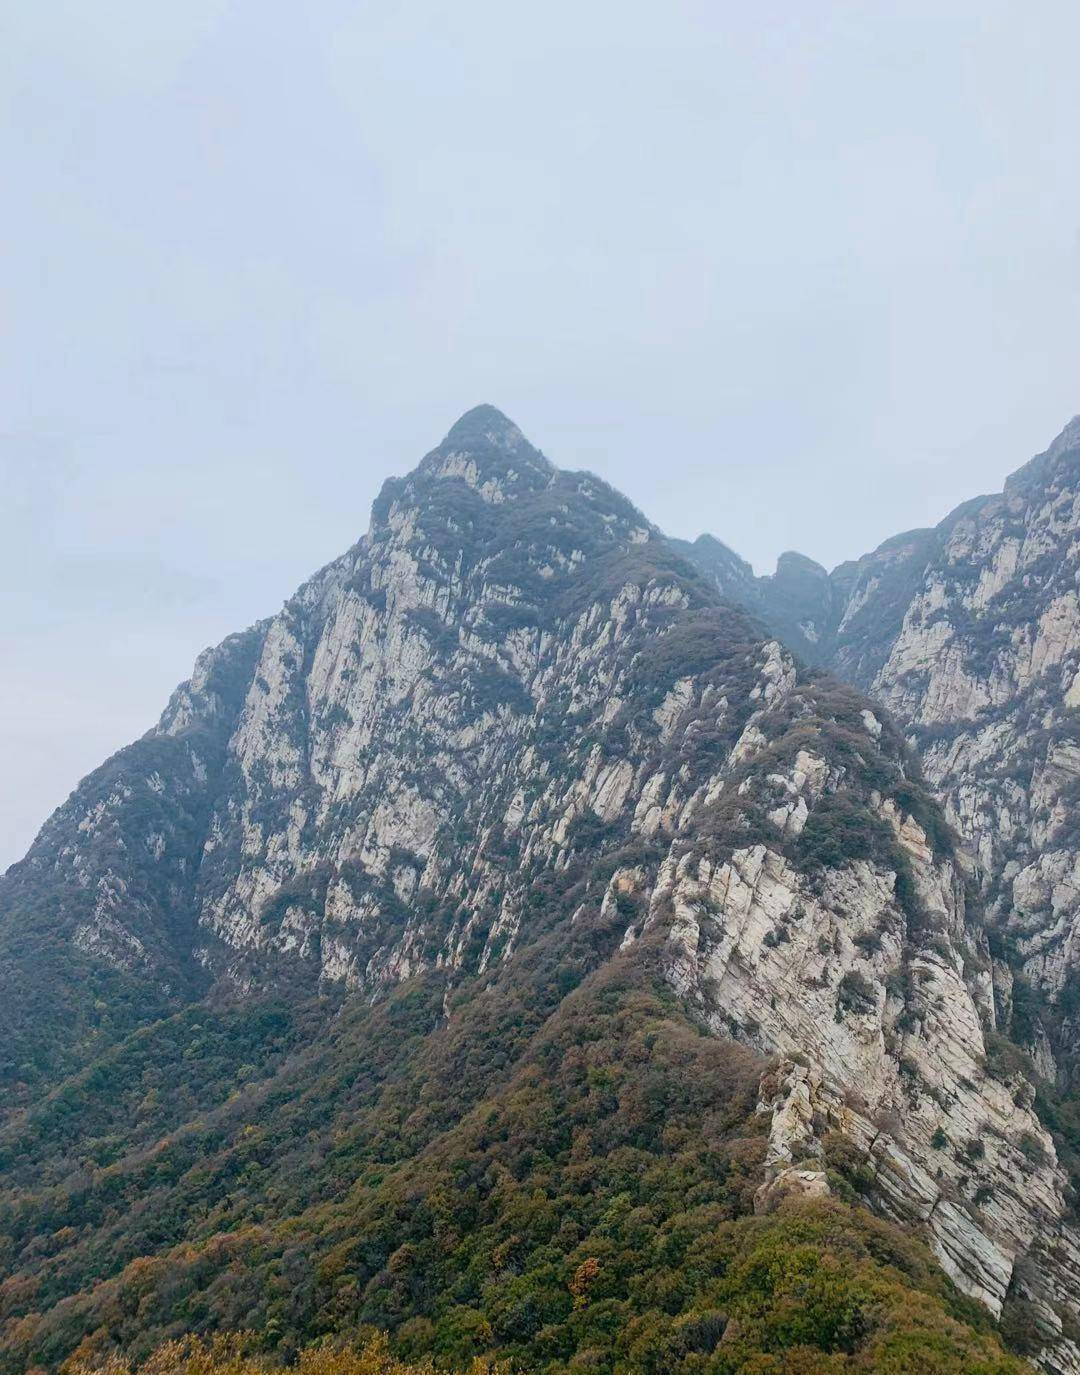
799, 274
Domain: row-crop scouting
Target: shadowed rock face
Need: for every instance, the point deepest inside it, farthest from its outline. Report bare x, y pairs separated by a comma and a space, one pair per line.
513, 673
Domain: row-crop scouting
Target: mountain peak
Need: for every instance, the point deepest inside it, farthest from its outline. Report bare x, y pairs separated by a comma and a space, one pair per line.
792, 564
486, 450
488, 425
1068, 439
720, 563
1038, 469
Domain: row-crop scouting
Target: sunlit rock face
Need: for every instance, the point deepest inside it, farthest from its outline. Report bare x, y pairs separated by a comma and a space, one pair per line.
513, 674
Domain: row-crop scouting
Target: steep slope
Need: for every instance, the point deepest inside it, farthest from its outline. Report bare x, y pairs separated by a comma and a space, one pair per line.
96, 922
592, 1211
984, 669
970, 634
506, 780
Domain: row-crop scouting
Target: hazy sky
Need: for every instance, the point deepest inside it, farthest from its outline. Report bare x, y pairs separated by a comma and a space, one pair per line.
800, 274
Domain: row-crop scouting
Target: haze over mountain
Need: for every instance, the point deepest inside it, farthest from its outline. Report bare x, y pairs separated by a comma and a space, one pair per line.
513, 944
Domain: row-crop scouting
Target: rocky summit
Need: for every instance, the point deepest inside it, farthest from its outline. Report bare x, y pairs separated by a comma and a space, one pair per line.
547, 941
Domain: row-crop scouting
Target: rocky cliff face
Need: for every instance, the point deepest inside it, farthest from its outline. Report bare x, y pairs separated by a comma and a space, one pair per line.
513, 674
983, 671
970, 635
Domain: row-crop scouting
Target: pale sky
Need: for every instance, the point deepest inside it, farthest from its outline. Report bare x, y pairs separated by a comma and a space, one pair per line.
802, 275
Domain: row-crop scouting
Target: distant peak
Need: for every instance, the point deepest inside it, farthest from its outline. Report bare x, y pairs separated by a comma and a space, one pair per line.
707, 541
1039, 469
488, 452
488, 425
718, 559
1068, 439
793, 564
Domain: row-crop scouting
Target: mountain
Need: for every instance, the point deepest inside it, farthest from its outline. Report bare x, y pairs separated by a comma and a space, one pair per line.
969, 634
798, 601
513, 945
984, 672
